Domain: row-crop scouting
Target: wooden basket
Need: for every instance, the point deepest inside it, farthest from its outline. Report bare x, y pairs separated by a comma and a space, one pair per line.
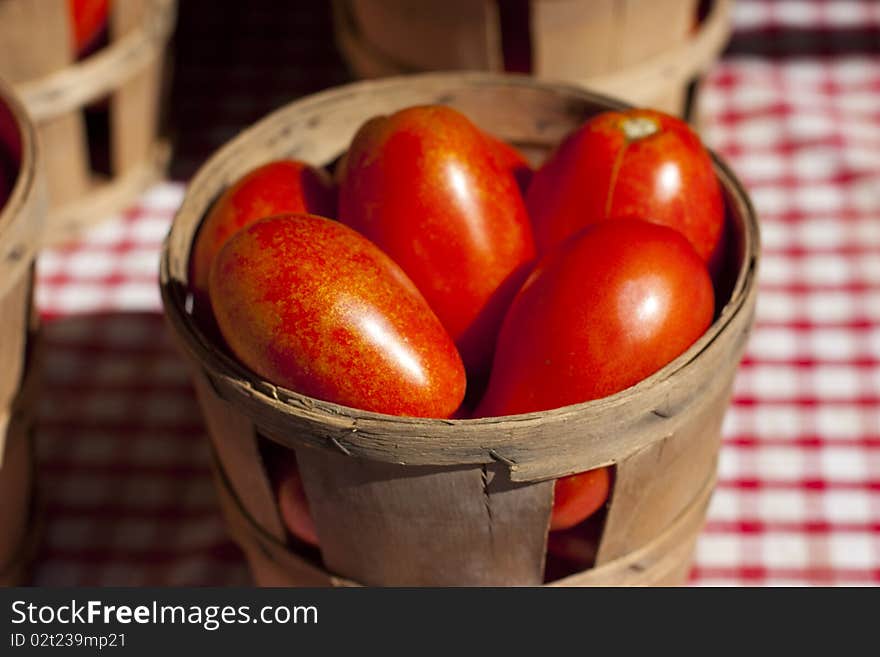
37, 56
403, 501
647, 52
20, 229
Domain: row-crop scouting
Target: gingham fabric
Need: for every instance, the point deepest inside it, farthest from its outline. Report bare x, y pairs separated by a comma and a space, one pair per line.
124, 478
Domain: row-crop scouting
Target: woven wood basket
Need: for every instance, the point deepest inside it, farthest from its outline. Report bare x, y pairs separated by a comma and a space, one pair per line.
20, 229
647, 52
403, 501
124, 79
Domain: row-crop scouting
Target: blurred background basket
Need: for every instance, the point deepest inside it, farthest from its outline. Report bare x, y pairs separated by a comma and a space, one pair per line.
20, 229
404, 501
647, 52
97, 117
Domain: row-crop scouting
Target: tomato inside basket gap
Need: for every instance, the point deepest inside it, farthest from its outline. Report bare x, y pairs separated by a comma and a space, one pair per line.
590, 274
9, 155
89, 23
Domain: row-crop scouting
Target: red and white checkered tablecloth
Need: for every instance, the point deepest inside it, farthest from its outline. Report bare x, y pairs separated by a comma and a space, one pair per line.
124, 462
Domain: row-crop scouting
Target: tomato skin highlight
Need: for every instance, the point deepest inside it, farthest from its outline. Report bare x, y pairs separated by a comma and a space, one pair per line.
610, 306
634, 164
311, 305
282, 186
428, 187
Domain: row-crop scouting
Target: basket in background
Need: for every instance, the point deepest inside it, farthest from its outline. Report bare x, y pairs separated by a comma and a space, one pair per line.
21, 219
406, 501
648, 52
98, 117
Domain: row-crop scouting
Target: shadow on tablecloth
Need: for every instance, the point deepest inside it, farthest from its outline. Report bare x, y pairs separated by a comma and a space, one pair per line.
124, 461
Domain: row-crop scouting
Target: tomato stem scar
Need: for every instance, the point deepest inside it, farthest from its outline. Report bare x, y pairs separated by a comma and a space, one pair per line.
638, 127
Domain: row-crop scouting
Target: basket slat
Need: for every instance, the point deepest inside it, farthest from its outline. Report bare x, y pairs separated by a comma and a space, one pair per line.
370, 510
16, 483
134, 109
656, 484
436, 35
492, 531
15, 307
235, 445
66, 158
21, 221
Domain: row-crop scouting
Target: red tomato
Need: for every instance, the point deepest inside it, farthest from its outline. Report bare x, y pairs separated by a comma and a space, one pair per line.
510, 159
274, 188
579, 496
609, 307
426, 186
5, 184
638, 164
88, 18
294, 506
309, 304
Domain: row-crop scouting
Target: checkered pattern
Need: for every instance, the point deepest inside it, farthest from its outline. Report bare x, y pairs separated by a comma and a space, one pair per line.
125, 480
799, 497
761, 15
124, 474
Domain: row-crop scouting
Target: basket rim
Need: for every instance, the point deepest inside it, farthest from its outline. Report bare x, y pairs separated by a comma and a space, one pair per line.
83, 82
13, 214
231, 374
680, 62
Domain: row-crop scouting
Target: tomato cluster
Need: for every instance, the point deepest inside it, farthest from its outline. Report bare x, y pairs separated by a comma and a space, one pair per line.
437, 263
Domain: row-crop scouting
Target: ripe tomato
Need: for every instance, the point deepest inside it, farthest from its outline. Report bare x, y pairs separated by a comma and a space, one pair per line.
612, 305
275, 188
510, 159
637, 164
88, 18
579, 496
309, 304
293, 504
427, 187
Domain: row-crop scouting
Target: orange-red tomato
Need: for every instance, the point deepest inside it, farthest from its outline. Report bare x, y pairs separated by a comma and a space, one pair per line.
294, 506
579, 496
512, 160
612, 305
311, 305
428, 188
275, 188
636, 164
88, 18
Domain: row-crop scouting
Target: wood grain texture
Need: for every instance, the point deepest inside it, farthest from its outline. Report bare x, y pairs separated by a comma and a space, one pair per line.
392, 525
236, 449
73, 87
18, 525
418, 35
381, 485
664, 561
134, 106
36, 41
272, 563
